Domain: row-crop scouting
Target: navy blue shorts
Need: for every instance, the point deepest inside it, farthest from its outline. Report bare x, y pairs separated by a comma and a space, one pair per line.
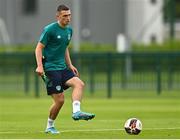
55, 80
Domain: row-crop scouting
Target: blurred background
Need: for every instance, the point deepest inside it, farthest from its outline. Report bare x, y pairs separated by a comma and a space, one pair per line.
118, 46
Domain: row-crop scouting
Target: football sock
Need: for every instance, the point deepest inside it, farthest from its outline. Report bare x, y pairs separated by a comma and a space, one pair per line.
50, 123
76, 106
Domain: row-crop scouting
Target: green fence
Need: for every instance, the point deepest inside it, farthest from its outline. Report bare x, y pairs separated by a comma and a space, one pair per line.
102, 72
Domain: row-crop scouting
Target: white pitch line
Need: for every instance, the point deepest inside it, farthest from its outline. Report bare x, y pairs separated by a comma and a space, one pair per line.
98, 130
88, 130
14, 132
92, 130
177, 128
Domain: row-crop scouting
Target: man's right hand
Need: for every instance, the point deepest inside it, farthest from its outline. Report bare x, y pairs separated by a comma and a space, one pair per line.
40, 70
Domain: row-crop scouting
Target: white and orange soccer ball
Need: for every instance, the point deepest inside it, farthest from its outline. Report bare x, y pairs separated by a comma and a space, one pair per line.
133, 126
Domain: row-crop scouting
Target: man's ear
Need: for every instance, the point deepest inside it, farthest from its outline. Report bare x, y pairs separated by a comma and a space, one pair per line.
57, 15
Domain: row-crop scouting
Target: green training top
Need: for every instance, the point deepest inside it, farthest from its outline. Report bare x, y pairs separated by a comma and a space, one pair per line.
55, 39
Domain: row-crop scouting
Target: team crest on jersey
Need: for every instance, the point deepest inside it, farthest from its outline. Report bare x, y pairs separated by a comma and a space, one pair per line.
58, 88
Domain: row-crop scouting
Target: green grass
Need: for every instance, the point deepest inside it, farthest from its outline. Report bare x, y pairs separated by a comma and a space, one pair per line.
25, 117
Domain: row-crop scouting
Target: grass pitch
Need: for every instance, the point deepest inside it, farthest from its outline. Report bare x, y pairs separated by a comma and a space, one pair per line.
26, 118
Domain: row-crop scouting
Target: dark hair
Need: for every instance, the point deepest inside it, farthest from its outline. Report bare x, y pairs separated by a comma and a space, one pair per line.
62, 8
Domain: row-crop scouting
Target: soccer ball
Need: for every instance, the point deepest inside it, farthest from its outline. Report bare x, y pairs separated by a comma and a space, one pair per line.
133, 126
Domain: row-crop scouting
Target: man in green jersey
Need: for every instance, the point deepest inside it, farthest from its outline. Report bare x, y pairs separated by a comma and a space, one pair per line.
55, 67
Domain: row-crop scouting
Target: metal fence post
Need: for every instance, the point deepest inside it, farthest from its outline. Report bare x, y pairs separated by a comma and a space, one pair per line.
26, 78
124, 73
36, 85
159, 88
91, 76
109, 75
170, 78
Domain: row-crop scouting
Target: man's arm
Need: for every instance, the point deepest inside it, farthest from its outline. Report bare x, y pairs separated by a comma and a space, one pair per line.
69, 63
38, 53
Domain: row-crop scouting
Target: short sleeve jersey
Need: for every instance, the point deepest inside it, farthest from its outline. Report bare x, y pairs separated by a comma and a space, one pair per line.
55, 39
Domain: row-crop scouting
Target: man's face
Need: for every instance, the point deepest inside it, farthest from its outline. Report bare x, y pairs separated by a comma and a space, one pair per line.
64, 17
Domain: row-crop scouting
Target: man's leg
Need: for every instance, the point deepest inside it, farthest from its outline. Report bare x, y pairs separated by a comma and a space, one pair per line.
78, 86
56, 106
58, 101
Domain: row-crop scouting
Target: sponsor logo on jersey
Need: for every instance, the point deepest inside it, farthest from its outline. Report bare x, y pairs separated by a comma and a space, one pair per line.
58, 36
69, 36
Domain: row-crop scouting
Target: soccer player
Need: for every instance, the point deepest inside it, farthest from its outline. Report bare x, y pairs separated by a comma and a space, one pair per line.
55, 67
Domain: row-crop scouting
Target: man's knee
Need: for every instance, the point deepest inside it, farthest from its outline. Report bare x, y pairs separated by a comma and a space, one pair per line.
76, 83
59, 100
80, 84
